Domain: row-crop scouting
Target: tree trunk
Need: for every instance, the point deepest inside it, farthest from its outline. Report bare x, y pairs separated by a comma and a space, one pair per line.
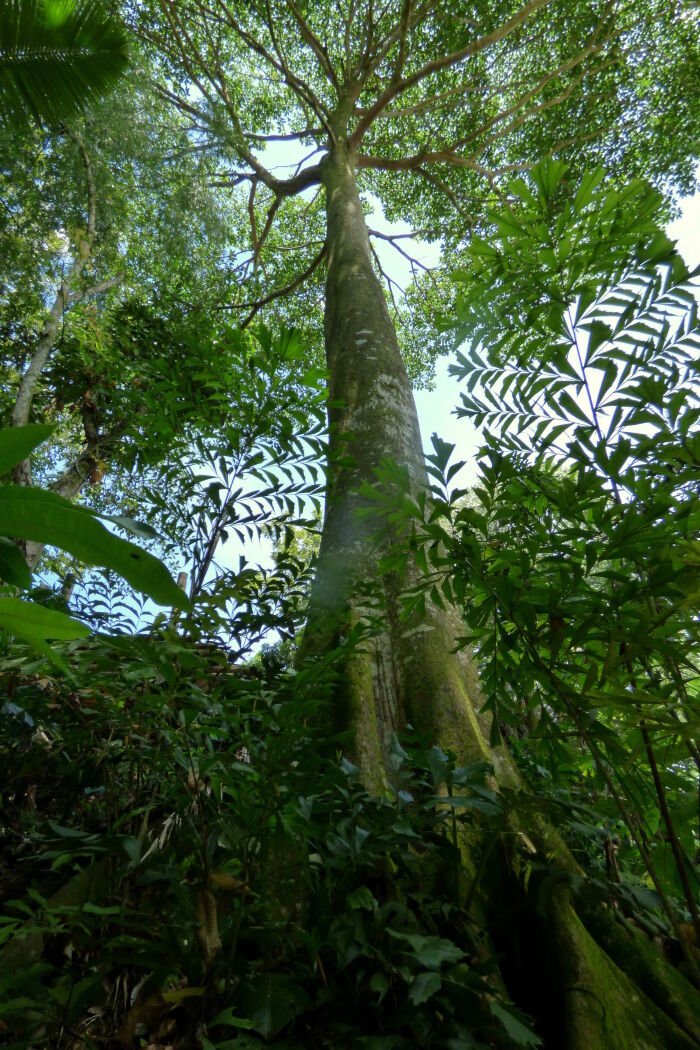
373, 417
19, 416
406, 672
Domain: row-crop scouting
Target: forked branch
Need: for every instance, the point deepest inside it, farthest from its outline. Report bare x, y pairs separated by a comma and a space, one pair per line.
401, 84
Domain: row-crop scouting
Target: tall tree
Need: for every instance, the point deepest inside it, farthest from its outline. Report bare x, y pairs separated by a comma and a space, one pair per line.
434, 107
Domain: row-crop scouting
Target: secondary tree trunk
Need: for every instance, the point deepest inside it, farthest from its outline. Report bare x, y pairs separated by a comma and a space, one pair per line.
408, 672
73, 480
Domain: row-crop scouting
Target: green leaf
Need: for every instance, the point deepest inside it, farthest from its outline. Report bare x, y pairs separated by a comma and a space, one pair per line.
587, 186
361, 898
136, 528
27, 618
33, 622
97, 909
34, 514
379, 984
13, 567
598, 333
16, 443
228, 1017
67, 833
423, 986
547, 175
512, 1021
132, 847
379, 1042
572, 408
272, 1001
430, 952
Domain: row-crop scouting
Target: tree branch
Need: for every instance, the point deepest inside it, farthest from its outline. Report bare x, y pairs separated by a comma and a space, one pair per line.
466, 88
592, 48
315, 45
266, 229
348, 38
284, 137
430, 177
300, 88
258, 305
371, 62
280, 187
251, 216
95, 289
444, 62
392, 238
186, 49
406, 12
445, 156
389, 280
90, 181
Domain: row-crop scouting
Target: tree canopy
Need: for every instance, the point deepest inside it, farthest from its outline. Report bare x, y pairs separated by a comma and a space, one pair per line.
439, 104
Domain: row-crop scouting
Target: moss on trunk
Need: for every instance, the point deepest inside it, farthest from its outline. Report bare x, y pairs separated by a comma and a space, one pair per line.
601, 1006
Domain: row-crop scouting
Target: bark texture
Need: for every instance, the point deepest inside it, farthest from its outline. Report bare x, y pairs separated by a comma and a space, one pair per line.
408, 672
373, 417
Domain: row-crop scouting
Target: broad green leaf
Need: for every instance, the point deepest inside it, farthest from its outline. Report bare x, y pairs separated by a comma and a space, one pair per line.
361, 898
584, 194
228, 1017
13, 567
598, 333
379, 984
67, 833
16, 443
136, 528
517, 1031
34, 514
142, 529
379, 1042
31, 622
178, 995
34, 624
547, 175
271, 1001
430, 952
423, 986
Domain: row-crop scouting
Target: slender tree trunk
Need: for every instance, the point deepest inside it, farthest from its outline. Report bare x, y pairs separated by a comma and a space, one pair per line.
408, 672
70, 484
19, 416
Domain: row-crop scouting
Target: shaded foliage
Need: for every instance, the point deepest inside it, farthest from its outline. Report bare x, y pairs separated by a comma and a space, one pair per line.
575, 557
56, 57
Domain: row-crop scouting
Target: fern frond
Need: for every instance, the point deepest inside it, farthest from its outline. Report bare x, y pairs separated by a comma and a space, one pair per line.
56, 57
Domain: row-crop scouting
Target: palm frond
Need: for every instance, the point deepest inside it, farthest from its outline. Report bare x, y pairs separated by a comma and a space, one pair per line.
56, 57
